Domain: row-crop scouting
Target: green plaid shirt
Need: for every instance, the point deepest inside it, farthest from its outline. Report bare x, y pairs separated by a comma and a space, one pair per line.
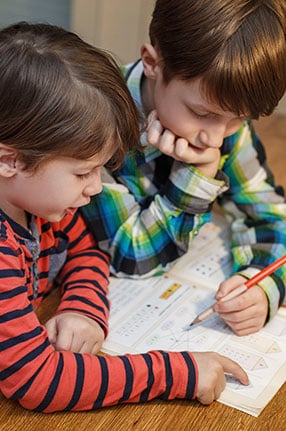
147, 215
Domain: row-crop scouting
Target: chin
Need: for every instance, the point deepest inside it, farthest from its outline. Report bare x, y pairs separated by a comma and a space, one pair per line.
55, 217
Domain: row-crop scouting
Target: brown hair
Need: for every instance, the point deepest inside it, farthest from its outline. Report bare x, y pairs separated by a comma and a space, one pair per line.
61, 96
237, 47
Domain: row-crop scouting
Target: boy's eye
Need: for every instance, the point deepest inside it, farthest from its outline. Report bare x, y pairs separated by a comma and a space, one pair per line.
198, 114
83, 176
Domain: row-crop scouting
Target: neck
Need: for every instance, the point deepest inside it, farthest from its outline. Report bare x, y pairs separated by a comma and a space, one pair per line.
16, 214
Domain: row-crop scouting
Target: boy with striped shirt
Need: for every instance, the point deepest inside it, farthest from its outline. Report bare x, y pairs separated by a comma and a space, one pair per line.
65, 112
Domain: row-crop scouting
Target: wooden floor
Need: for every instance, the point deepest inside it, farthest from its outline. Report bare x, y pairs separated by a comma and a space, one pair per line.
177, 415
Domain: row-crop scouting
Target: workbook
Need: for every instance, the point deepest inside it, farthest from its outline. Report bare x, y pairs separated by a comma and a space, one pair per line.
153, 313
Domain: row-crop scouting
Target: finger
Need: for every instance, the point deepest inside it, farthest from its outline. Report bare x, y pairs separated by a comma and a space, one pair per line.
90, 348
228, 285
238, 304
181, 150
80, 345
219, 388
64, 340
231, 367
240, 316
246, 331
243, 307
207, 397
51, 330
154, 132
96, 348
151, 117
167, 142
246, 327
85, 348
205, 156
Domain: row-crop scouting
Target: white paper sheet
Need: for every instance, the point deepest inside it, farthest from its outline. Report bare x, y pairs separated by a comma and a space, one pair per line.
152, 314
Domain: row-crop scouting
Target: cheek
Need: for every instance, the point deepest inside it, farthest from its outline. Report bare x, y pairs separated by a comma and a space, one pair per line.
173, 116
164, 107
233, 128
169, 117
179, 124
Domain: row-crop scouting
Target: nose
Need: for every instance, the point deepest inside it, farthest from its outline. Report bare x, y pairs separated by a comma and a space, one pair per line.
94, 186
213, 135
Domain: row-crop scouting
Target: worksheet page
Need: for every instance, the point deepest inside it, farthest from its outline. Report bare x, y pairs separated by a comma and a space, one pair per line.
147, 316
155, 313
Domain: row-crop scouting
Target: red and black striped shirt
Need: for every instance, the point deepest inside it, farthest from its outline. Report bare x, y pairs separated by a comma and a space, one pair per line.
31, 370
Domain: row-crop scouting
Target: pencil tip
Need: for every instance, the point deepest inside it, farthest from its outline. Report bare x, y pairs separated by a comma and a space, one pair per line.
188, 327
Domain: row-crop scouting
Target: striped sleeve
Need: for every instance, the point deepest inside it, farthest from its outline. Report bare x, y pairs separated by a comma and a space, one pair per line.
46, 380
85, 382
84, 277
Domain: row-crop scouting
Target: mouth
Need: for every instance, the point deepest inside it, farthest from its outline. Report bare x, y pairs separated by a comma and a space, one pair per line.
197, 149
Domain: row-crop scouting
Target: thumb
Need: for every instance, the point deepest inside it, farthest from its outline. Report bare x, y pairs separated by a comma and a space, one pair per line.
51, 328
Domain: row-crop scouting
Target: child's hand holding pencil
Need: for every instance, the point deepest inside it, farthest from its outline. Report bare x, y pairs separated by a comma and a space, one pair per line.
243, 309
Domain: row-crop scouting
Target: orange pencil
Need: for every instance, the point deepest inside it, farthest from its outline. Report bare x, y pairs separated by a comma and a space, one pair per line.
239, 290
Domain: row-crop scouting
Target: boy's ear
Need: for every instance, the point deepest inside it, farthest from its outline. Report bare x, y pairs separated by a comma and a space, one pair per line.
150, 60
8, 158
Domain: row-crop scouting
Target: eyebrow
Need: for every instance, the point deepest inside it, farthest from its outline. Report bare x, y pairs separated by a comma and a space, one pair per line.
87, 166
207, 112
203, 108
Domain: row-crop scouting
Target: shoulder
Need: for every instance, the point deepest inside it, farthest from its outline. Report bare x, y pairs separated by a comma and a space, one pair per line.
131, 68
11, 247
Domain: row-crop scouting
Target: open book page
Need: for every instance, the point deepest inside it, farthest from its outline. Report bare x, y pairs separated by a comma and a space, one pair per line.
209, 258
148, 314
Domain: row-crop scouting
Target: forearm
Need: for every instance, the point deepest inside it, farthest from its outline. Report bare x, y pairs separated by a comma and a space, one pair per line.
84, 278
143, 236
147, 245
258, 239
87, 382
257, 211
256, 247
85, 291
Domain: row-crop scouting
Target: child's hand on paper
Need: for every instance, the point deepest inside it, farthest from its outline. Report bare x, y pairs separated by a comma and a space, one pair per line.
204, 159
75, 332
211, 375
246, 313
